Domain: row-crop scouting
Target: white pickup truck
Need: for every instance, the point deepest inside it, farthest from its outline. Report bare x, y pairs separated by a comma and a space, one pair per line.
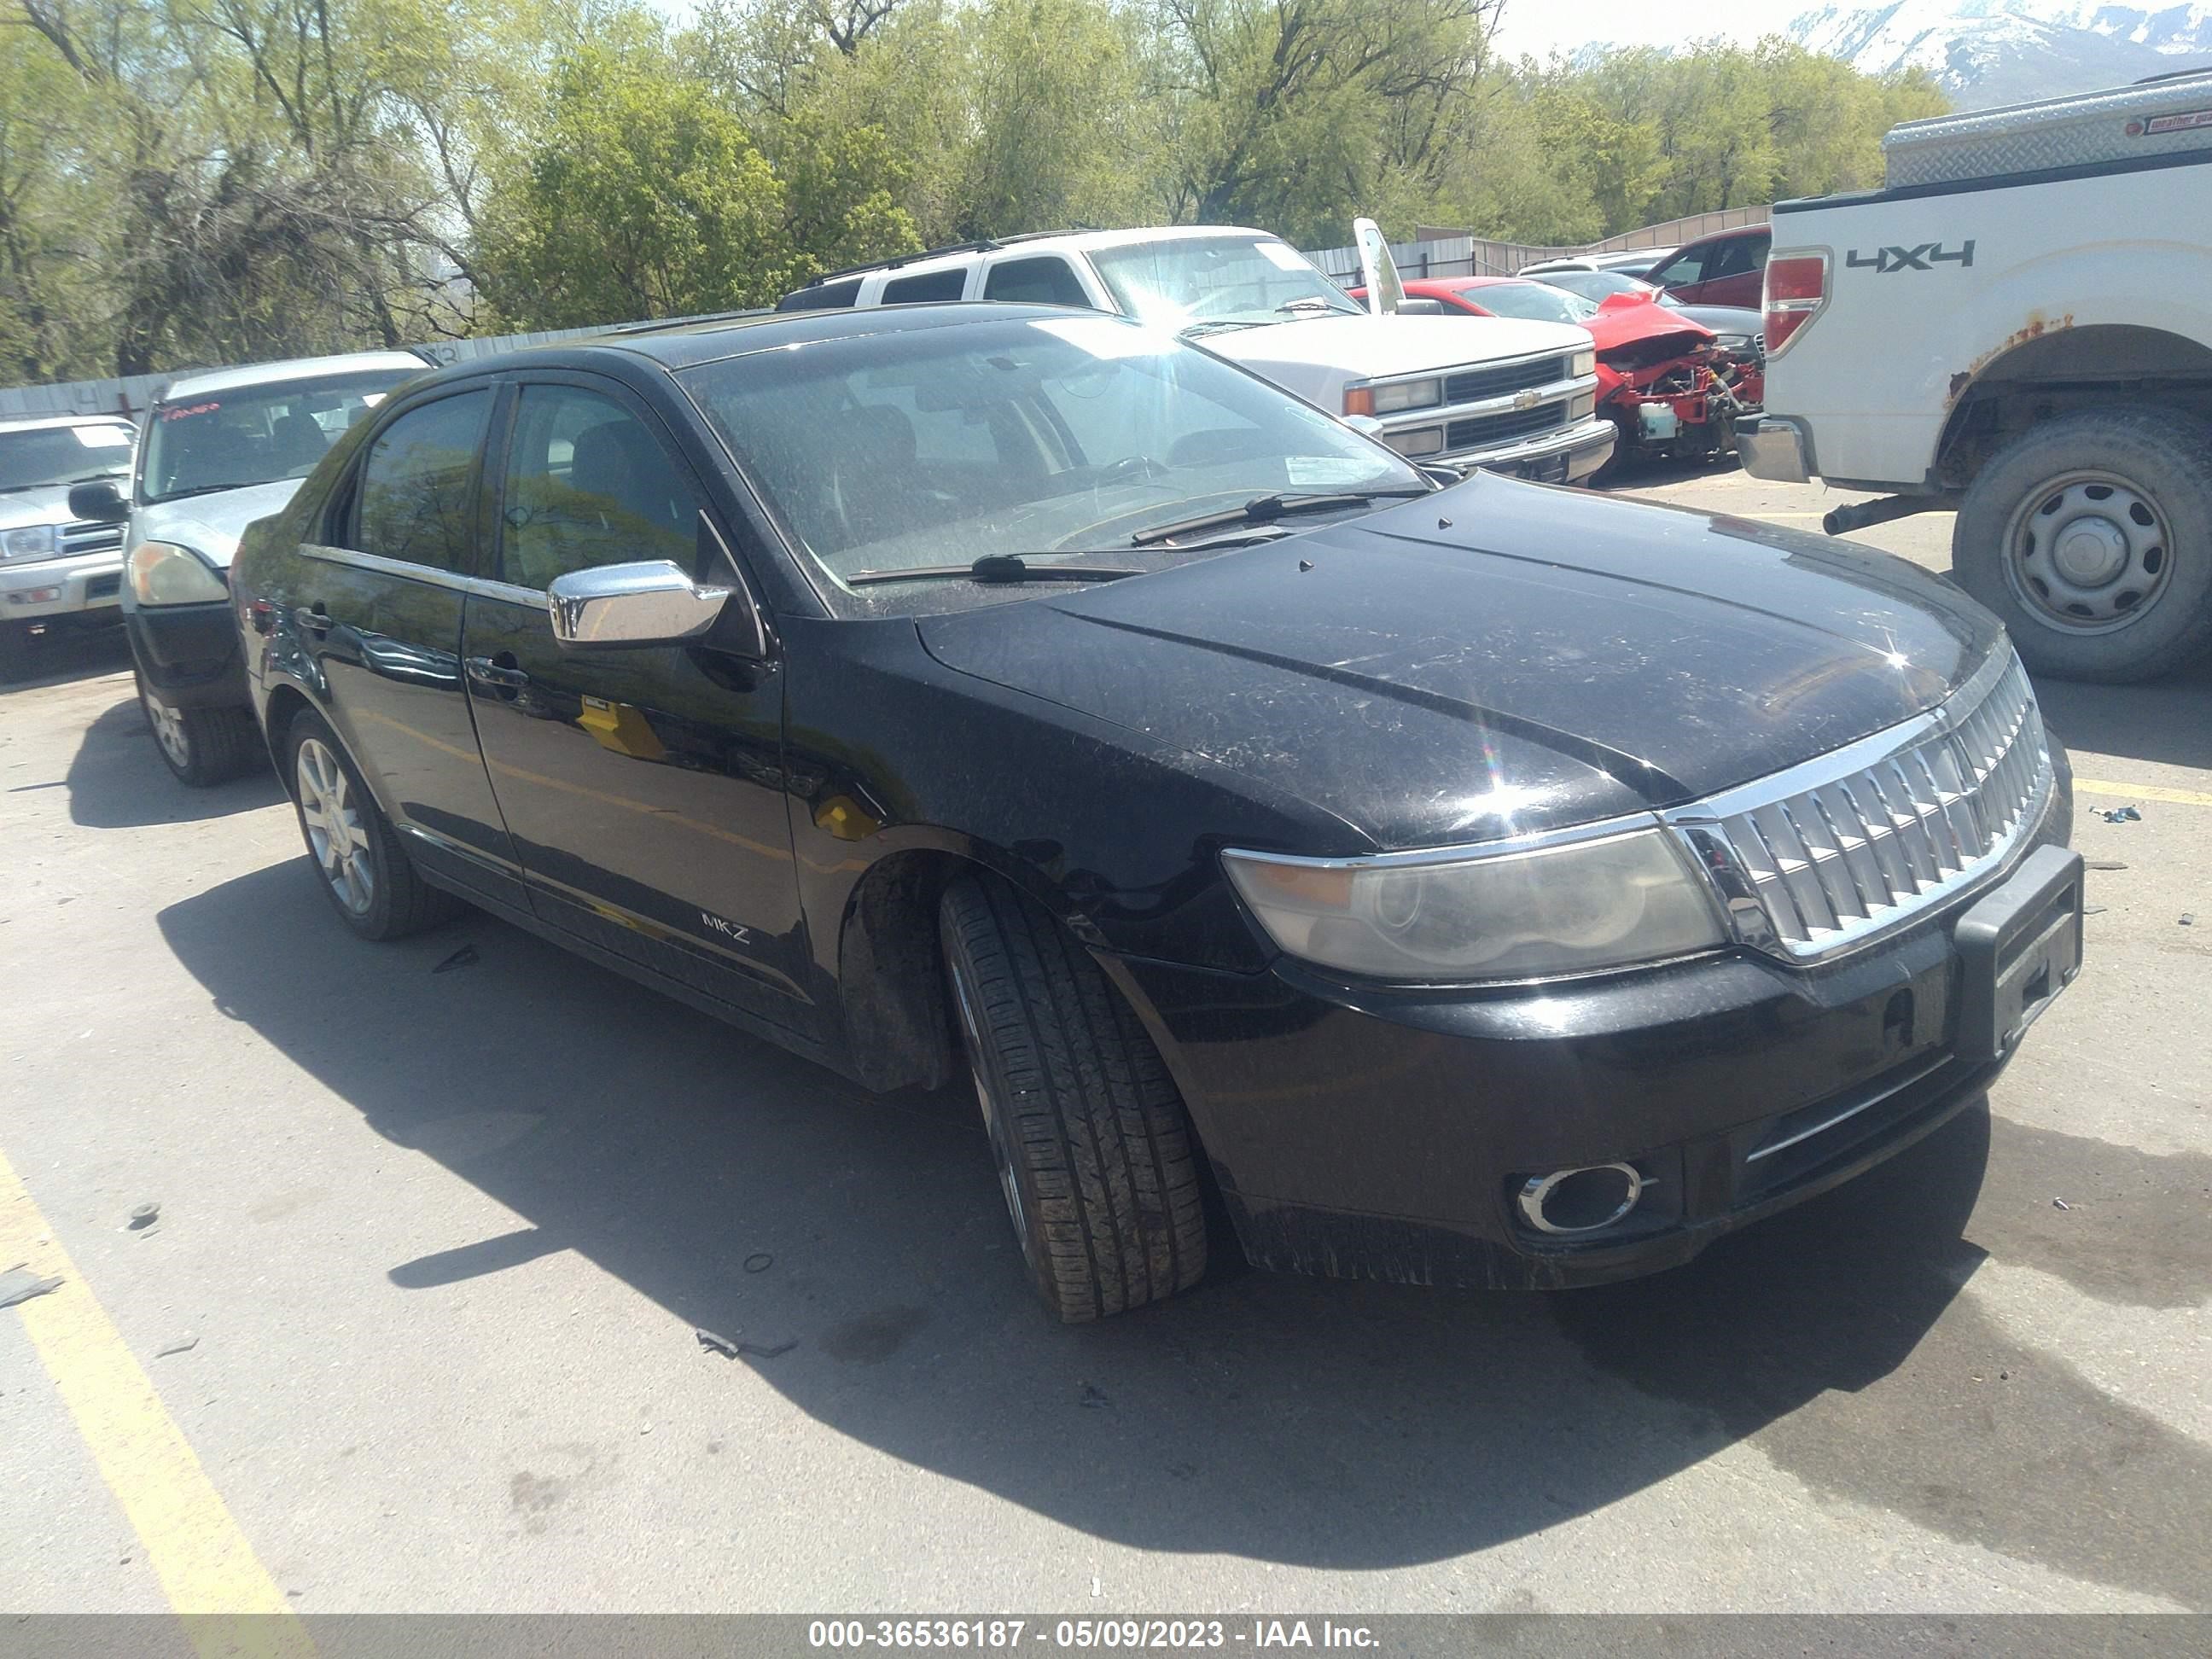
2019, 327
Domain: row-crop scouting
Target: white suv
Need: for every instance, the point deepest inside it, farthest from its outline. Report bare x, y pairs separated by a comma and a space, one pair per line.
56, 568
1499, 393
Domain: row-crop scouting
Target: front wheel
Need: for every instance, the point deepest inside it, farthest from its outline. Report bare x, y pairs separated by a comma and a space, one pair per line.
359, 863
201, 747
2091, 537
1094, 1151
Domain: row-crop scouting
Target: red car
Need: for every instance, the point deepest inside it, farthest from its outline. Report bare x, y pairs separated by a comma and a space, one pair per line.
1727, 268
1660, 378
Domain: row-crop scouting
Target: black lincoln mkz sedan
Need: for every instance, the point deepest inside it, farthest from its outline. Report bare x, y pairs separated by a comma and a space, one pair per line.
1488, 884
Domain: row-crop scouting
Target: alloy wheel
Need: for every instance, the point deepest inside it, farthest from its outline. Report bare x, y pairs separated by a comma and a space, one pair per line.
2088, 552
336, 833
168, 725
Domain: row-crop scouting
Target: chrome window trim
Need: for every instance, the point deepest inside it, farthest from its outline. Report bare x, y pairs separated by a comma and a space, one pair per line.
478, 587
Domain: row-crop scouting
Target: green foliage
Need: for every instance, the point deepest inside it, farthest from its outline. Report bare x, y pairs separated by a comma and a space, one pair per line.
198, 182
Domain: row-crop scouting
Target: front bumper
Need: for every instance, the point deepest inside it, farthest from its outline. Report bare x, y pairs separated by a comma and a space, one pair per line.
1775, 448
189, 655
1567, 455
64, 587
1370, 1132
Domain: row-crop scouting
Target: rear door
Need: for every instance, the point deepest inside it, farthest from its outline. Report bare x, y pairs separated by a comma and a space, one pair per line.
378, 610
643, 785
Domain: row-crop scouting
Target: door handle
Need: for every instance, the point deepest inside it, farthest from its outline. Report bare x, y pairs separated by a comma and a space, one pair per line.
501, 676
315, 621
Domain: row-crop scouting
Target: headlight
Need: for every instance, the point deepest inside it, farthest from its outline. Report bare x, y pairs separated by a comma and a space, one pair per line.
32, 541
1566, 908
1585, 362
161, 573
1408, 394
1421, 441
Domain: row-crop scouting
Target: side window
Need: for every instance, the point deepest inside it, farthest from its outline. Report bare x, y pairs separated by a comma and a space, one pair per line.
413, 498
930, 285
589, 483
1730, 258
1044, 282
1681, 270
1759, 246
830, 297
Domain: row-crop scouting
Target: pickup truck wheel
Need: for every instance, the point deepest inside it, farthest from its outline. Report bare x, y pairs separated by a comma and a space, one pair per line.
201, 747
360, 864
1094, 1150
2091, 537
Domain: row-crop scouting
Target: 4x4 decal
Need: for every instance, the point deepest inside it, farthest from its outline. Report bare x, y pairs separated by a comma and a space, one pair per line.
1926, 257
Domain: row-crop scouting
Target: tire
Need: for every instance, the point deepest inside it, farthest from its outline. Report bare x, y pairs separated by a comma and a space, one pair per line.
201, 747
361, 866
1095, 1153
2090, 536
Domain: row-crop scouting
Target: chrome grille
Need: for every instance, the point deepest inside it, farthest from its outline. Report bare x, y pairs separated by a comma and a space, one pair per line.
86, 537
1487, 431
1469, 386
1827, 855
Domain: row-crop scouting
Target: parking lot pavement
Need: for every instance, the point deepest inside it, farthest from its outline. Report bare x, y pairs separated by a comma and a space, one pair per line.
439, 1242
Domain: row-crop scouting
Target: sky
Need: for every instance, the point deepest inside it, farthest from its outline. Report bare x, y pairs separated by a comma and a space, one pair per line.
1537, 28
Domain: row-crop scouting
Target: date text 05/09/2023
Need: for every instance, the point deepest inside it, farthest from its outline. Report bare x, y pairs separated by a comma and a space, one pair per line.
1011, 1635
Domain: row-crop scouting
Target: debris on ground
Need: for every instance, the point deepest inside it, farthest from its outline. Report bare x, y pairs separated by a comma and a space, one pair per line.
2120, 814
464, 958
144, 1214
759, 1262
2093, 909
21, 1285
2102, 864
2187, 919
2060, 1203
182, 1344
715, 1342
759, 1353
1092, 1398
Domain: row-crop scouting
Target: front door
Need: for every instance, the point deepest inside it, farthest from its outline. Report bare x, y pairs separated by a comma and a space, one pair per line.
383, 593
643, 786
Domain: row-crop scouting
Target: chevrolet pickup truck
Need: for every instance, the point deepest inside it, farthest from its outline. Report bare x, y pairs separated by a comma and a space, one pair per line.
2019, 327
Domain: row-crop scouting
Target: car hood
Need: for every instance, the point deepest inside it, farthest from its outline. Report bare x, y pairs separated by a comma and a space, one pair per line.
210, 525
1496, 659
1375, 347
47, 504
1652, 327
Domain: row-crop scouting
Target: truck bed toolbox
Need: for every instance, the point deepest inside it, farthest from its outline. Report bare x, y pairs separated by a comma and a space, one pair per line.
2167, 116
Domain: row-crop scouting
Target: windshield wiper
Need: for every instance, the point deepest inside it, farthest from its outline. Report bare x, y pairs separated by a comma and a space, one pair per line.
1314, 302
1264, 509
993, 568
1216, 324
201, 489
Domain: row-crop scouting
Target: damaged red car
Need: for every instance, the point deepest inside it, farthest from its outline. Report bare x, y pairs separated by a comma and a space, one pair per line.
1661, 379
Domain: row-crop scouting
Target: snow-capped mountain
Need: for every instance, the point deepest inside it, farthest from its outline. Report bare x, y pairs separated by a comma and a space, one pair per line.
1985, 52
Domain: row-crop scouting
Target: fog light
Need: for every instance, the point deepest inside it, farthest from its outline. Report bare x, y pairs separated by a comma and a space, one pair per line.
34, 596
1581, 1201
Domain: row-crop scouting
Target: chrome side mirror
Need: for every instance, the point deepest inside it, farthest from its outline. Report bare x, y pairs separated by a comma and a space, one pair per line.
632, 604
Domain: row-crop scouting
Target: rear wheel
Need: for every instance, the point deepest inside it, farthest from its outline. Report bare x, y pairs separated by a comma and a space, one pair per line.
200, 746
2091, 537
360, 864
1094, 1154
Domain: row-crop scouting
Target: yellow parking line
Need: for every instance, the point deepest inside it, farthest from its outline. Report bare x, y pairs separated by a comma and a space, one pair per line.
2141, 792
207, 1569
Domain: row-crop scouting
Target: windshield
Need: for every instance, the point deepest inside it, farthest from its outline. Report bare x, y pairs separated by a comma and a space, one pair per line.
927, 447
1596, 285
46, 456
1538, 302
1186, 281
254, 434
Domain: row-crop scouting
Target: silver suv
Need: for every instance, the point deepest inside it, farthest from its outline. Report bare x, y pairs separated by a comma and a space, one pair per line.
56, 568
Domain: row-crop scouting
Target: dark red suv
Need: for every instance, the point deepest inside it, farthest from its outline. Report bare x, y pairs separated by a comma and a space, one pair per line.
1724, 268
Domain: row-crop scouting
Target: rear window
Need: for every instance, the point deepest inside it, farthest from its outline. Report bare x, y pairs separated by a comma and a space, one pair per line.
930, 285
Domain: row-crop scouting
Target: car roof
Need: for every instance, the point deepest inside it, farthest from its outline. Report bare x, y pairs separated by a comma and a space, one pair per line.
1722, 236
1034, 241
683, 345
52, 422
295, 368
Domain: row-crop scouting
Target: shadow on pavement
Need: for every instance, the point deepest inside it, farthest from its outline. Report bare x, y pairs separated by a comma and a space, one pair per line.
1343, 1425
68, 654
116, 779
2167, 720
